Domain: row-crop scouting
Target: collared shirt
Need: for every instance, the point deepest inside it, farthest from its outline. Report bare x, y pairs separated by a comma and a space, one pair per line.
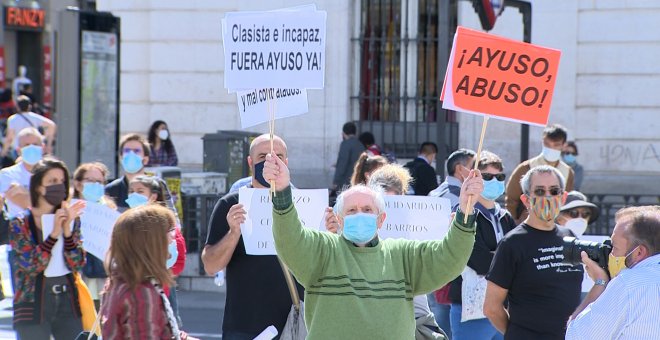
629, 308
445, 190
14, 174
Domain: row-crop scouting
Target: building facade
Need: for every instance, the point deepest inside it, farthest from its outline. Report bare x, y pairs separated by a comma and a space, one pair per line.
383, 70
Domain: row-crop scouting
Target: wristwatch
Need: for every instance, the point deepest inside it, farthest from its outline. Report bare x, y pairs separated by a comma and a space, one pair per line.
600, 282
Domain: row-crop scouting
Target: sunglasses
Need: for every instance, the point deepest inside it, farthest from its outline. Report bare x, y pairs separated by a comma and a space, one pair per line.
554, 191
576, 213
487, 177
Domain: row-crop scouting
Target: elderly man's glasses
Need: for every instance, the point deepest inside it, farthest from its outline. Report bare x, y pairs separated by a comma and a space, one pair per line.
554, 191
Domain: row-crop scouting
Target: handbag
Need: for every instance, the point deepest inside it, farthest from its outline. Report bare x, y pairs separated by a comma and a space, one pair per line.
473, 295
87, 308
295, 328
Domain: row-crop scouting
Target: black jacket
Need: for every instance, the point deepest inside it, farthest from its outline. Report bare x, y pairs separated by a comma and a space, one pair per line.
423, 174
485, 243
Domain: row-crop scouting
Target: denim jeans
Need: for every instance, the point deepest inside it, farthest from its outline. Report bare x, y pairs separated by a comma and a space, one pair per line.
441, 313
479, 329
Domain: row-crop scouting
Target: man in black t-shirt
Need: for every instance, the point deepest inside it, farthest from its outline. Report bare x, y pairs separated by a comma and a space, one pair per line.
257, 294
527, 271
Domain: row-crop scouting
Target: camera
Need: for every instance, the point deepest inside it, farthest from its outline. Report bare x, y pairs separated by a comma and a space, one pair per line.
598, 252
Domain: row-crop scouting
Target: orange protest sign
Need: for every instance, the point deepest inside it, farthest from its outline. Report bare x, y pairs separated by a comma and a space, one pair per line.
500, 77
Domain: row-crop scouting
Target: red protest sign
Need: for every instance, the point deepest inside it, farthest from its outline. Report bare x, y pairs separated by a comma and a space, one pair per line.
500, 77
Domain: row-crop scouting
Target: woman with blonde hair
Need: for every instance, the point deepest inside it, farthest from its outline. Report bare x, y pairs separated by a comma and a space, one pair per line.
134, 305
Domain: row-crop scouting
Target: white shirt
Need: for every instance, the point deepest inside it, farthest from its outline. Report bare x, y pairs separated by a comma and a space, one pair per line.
629, 308
20, 121
14, 174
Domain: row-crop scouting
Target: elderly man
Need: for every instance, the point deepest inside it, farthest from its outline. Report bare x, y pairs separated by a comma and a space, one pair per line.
358, 286
628, 307
527, 270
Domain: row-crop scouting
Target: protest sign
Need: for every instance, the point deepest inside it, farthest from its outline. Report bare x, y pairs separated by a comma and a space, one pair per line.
499, 77
96, 225
253, 105
416, 217
587, 282
276, 49
56, 265
257, 231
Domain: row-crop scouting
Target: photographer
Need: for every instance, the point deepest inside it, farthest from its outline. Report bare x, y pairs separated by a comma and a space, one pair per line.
627, 307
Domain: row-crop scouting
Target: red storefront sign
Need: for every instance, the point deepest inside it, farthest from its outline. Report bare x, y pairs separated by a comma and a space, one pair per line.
47, 78
25, 18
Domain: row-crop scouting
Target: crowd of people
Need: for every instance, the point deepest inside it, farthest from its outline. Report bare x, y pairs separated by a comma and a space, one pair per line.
499, 273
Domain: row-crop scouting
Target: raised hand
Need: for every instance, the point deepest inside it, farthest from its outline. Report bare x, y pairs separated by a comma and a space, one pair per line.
470, 191
275, 171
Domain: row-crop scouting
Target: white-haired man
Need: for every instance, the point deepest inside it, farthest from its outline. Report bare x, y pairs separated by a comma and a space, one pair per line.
358, 286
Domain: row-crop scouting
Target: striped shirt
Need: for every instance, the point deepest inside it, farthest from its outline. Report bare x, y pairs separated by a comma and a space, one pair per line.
629, 308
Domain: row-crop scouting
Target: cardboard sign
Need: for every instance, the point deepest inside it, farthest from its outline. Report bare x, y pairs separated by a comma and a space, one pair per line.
254, 106
96, 225
416, 217
276, 49
499, 77
257, 231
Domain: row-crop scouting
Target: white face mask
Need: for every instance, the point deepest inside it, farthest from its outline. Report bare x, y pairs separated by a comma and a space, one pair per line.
163, 134
550, 155
577, 225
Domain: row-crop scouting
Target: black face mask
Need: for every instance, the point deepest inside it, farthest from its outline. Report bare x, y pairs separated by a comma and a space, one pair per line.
259, 174
55, 194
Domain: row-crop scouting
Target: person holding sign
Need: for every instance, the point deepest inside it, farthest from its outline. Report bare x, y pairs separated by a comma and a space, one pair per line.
46, 298
493, 222
355, 280
257, 293
554, 138
527, 272
88, 184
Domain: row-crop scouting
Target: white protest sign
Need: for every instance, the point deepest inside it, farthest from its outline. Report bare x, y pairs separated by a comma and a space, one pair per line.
96, 225
416, 217
56, 265
257, 231
253, 106
587, 282
274, 49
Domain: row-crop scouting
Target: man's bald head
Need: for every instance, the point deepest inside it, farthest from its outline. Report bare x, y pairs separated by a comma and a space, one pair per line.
258, 144
259, 148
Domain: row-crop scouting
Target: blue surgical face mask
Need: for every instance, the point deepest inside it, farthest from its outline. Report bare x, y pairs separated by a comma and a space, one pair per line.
93, 191
135, 200
493, 189
360, 228
569, 159
131, 163
174, 254
259, 174
32, 154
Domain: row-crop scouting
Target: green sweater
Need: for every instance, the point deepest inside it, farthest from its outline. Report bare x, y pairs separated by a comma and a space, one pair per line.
365, 293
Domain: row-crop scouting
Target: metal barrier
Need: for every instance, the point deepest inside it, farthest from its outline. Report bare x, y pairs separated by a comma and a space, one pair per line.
609, 204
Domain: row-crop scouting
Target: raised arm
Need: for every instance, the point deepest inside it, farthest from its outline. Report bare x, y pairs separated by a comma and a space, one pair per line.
304, 250
224, 235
